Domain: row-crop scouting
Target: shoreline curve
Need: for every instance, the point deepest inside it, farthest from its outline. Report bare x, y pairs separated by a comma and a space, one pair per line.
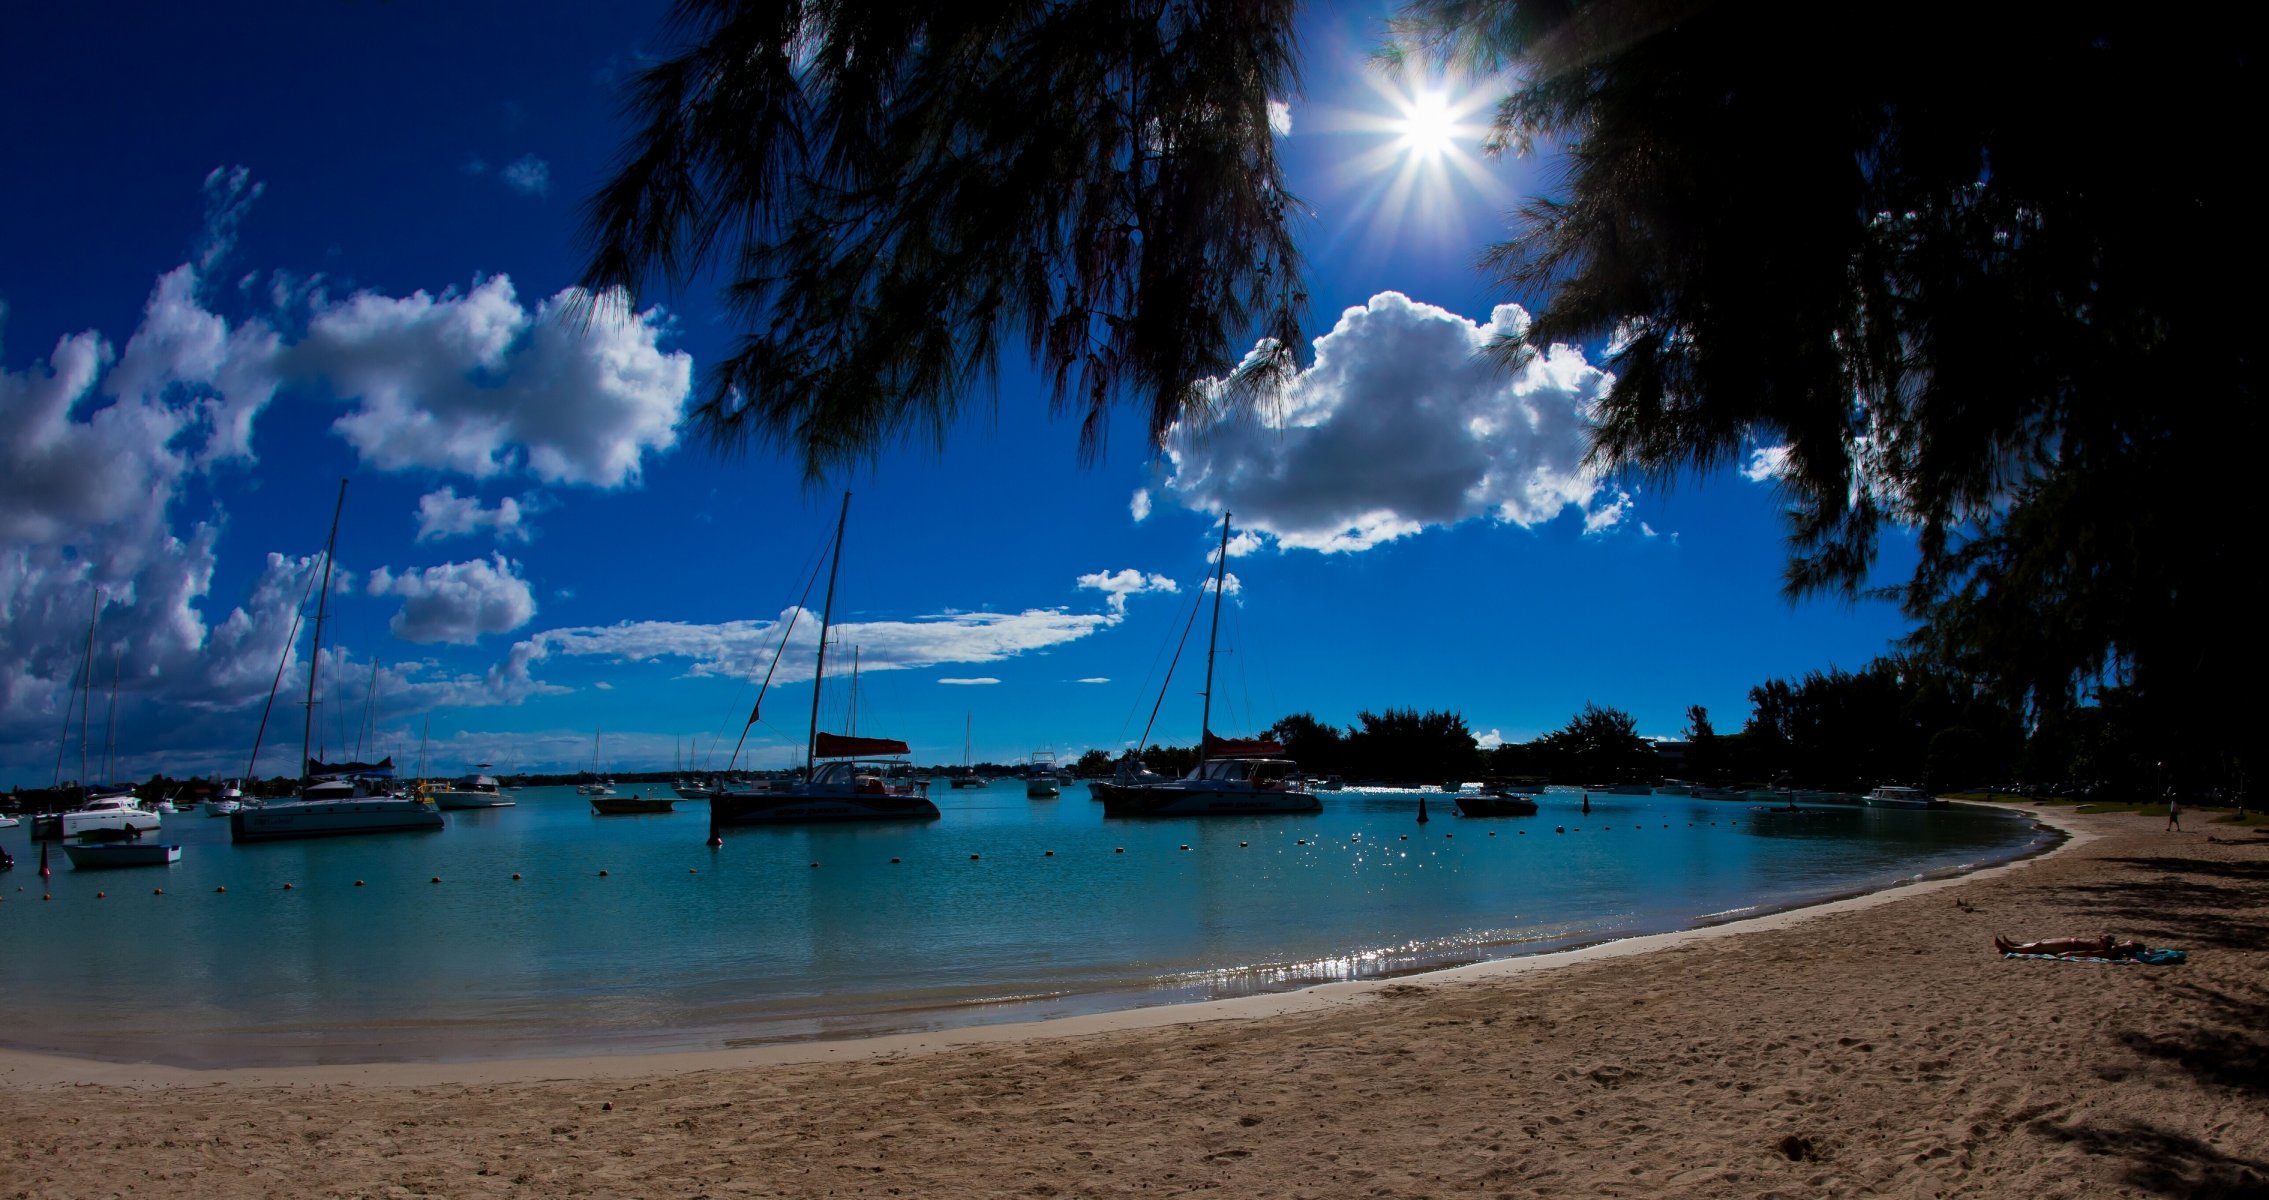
32, 1069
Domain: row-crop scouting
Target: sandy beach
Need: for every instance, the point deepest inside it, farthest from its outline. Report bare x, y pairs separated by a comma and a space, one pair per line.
1872, 1047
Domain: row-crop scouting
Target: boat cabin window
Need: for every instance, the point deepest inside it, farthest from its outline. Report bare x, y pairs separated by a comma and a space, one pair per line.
1257, 771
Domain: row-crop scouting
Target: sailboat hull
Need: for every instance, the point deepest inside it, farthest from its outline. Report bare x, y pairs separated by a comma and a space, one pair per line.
286, 820
796, 807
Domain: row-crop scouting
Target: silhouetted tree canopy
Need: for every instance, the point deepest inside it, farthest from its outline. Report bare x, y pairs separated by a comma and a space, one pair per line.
896, 194
1949, 267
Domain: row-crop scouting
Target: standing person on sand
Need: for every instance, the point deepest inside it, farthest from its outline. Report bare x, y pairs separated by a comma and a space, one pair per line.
2174, 814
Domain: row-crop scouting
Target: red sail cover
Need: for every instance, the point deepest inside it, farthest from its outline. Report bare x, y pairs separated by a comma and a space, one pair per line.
1220, 747
835, 745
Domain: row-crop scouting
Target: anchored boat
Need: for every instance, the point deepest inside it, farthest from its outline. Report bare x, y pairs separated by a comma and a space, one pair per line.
845, 778
1232, 778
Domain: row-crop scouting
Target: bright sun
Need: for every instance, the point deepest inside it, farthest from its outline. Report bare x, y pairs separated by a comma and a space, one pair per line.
1428, 126
1422, 165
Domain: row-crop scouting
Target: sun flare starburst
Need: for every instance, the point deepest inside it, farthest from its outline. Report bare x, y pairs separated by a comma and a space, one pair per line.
1421, 167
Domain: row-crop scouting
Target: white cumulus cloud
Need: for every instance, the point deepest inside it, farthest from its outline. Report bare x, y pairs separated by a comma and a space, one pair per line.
1139, 507
1766, 464
1118, 585
477, 384
457, 602
446, 514
1401, 423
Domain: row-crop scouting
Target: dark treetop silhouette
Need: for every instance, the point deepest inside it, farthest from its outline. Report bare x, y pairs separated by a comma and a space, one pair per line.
1952, 259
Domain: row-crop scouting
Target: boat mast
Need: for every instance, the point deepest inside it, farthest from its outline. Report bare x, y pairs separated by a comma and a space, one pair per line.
826, 619
1212, 639
315, 652
110, 737
87, 697
854, 729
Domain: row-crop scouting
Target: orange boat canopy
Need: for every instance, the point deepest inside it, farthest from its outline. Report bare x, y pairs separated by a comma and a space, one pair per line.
1220, 747
835, 745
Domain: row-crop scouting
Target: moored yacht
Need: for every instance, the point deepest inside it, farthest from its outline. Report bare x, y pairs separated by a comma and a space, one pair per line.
470, 791
1903, 797
1232, 777
110, 811
329, 805
1040, 780
226, 798
332, 808
845, 778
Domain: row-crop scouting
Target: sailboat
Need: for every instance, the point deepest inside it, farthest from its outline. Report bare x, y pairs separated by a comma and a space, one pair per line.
1232, 777
105, 811
846, 778
332, 801
600, 784
969, 778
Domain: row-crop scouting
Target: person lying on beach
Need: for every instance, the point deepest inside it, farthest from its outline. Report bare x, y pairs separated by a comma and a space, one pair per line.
2095, 947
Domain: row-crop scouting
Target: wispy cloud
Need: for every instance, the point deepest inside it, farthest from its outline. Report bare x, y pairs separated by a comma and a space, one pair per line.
527, 175
979, 681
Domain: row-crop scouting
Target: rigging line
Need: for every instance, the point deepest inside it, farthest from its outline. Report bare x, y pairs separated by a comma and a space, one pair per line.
1156, 657
1168, 682
758, 707
818, 556
289, 640
63, 735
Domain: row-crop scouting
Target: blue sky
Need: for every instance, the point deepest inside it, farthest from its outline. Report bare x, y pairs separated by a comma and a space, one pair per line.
251, 251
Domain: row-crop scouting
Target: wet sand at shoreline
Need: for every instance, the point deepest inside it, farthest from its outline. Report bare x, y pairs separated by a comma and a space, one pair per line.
1867, 1047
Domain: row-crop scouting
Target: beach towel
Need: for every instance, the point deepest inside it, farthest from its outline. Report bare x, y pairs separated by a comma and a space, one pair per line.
2159, 957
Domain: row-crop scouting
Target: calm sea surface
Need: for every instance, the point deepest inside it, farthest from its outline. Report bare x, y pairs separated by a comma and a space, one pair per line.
800, 933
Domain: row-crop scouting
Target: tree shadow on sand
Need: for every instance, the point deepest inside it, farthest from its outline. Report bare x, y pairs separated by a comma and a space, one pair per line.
2220, 1041
2166, 1163
2191, 902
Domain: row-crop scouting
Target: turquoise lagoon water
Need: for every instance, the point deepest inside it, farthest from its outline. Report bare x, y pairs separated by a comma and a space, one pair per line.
678, 946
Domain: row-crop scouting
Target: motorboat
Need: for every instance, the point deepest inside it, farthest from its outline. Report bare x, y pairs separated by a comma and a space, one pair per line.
1040, 780
112, 810
470, 791
1329, 783
631, 805
1233, 777
1495, 801
846, 778
1903, 797
227, 798
91, 855
692, 789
